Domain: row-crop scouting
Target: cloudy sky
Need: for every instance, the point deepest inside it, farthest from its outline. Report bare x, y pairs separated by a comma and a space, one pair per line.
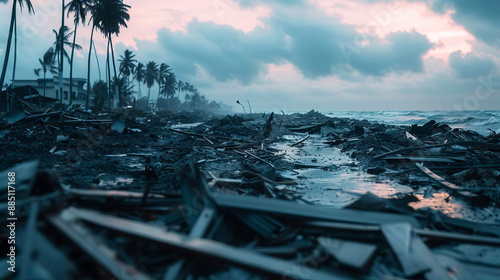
297, 55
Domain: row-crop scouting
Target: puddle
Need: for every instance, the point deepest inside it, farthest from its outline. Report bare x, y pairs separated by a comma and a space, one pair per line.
341, 182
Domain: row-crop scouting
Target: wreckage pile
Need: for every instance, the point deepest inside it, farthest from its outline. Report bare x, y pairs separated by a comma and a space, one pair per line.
138, 196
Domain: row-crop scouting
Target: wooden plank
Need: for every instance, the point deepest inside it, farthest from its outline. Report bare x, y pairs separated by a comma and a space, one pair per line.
304, 211
204, 249
85, 240
413, 255
352, 254
400, 240
442, 182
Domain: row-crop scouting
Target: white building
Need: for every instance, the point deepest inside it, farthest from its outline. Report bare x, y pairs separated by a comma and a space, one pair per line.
51, 89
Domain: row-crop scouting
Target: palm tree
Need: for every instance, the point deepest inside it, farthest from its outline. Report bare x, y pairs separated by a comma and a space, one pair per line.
163, 71
91, 8
127, 65
47, 64
150, 76
80, 9
61, 51
108, 16
180, 87
169, 85
62, 40
13, 22
125, 88
139, 76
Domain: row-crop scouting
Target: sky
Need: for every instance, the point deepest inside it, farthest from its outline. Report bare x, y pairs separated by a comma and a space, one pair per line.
298, 55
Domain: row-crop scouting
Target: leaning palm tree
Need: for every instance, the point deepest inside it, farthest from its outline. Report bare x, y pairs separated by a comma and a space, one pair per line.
47, 64
13, 23
80, 9
62, 41
139, 76
163, 72
150, 76
108, 16
169, 85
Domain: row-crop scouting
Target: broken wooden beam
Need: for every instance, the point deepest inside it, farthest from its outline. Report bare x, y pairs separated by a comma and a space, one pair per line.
413, 255
442, 182
302, 211
202, 248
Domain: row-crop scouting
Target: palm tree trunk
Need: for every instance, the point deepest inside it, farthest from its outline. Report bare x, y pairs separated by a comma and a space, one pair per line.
15, 53
71, 63
108, 77
139, 92
44, 74
61, 37
7, 51
97, 61
117, 91
149, 93
88, 71
9, 42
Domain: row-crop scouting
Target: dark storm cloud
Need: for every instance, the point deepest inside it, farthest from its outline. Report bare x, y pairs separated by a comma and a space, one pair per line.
402, 53
470, 65
316, 44
221, 50
480, 18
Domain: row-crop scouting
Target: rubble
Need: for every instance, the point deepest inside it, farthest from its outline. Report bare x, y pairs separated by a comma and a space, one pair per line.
144, 196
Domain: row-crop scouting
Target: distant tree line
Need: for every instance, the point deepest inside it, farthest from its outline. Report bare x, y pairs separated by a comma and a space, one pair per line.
107, 17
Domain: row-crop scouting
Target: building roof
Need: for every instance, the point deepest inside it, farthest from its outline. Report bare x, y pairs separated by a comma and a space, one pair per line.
27, 93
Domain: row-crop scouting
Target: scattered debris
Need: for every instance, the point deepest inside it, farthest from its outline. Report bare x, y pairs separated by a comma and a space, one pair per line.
144, 197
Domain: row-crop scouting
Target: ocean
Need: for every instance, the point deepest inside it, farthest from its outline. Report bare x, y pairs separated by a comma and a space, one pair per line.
479, 121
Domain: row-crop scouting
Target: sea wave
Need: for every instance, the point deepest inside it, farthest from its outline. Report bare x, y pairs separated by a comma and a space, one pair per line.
490, 121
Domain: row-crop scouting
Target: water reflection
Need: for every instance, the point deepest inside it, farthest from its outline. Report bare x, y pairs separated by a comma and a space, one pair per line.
341, 182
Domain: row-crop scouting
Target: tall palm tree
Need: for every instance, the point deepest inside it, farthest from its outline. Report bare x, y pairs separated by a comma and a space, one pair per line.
108, 16
62, 41
61, 52
139, 76
91, 8
47, 64
80, 9
13, 22
150, 76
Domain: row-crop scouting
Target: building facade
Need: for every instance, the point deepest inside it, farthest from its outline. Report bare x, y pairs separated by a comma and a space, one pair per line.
50, 88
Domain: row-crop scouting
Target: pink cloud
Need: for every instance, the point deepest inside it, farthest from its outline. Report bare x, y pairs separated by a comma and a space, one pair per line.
382, 18
146, 17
